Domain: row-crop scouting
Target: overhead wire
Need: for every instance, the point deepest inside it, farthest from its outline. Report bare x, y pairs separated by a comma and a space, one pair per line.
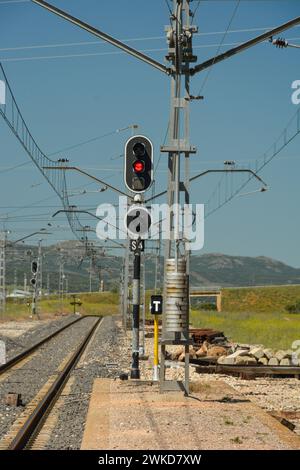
88, 141
148, 38
6, 170
275, 149
168, 6
219, 47
195, 11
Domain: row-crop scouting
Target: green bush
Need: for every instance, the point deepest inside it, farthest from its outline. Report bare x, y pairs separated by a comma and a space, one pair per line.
293, 308
207, 306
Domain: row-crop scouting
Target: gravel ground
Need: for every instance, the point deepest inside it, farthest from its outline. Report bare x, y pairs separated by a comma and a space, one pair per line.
109, 354
105, 357
37, 331
30, 378
271, 394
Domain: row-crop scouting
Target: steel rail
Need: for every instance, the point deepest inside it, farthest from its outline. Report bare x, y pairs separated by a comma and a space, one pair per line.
33, 422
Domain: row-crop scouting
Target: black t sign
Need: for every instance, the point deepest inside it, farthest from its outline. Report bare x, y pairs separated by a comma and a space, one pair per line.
156, 304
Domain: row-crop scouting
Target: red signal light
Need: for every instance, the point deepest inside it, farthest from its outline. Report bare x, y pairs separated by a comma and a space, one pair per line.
138, 166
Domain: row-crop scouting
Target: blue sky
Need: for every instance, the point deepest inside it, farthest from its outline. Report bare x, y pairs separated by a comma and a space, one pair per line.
90, 90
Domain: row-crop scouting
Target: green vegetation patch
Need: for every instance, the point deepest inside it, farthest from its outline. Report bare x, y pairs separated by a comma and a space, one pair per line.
260, 299
274, 330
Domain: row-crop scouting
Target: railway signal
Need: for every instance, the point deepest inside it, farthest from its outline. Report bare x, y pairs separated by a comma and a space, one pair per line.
34, 283
138, 167
34, 267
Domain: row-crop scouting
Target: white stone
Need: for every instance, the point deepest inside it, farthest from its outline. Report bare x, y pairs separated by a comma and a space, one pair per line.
257, 353
263, 360
268, 353
285, 362
226, 360
273, 361
280, 355
245, 360
239, 352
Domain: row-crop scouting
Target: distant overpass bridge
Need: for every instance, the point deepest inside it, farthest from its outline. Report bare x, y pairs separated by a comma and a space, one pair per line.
208, 292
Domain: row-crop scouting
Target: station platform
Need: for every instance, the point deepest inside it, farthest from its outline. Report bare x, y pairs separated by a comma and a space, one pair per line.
125, 415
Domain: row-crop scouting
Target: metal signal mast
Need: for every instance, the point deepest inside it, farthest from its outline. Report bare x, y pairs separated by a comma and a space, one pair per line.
3, 236
180, 56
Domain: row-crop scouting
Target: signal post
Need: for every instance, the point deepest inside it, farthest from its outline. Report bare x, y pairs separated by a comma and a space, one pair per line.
138, 177
33, 282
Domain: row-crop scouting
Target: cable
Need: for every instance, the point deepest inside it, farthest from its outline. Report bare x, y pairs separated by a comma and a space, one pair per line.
149, 38
7, 2
276, 148
6, 170
97, 54
219, 48
169, 8
84, 142
195, 11
164, 142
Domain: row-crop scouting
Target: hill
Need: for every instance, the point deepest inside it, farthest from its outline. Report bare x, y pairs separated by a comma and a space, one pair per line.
213, 269
224, 270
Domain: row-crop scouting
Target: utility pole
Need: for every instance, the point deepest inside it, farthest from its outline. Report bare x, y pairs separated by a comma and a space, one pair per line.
175, 322
3, 236
61, 281
40, 268
48, 284
157, 261
91, 267
15, 283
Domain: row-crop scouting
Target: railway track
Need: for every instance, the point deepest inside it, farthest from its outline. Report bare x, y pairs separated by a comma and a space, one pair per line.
29, 351
29, 423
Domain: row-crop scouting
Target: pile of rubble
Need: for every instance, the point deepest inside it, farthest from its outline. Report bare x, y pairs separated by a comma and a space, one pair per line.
258, 355
207, 350
211, 346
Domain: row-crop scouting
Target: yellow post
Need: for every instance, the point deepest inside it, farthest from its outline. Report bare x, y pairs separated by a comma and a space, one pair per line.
155, 361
